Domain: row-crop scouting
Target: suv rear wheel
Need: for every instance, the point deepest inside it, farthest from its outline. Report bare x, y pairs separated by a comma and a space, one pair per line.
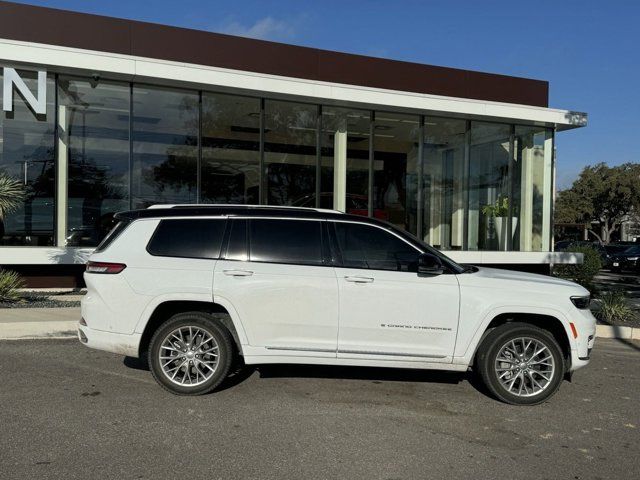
190, 354
521, 364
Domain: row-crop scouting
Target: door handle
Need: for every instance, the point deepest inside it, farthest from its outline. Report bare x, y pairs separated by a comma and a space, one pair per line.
238, 273
358, 279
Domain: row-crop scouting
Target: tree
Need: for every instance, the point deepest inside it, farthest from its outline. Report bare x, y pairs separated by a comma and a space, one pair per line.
603, 195
11, 196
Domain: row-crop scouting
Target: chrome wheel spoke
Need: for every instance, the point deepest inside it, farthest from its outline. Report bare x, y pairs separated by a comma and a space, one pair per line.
524, 366
184, 351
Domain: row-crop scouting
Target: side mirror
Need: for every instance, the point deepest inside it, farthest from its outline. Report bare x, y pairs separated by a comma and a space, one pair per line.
429, 265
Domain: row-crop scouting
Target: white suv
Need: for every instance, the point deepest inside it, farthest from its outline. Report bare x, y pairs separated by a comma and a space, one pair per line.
191, 287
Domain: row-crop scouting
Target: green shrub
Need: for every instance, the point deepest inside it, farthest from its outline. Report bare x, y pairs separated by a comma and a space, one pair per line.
11, 195
10, 283
581, 273
613, 308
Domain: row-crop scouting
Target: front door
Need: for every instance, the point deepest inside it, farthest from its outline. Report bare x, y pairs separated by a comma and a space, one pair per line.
387, 311
283, 289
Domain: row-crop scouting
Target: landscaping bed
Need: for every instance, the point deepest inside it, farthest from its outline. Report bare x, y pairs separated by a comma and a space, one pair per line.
33, 299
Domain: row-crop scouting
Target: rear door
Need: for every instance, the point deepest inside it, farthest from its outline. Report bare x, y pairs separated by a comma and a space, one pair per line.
387, 311
281, 285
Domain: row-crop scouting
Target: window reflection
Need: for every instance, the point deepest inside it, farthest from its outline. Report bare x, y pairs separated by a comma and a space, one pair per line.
289, 151
165, 146
443, 182
96, 119
27, 154
345, 139
395, 169
230, 149
531, 188
489, 186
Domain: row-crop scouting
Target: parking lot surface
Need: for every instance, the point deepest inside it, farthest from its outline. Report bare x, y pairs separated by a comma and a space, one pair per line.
70, 412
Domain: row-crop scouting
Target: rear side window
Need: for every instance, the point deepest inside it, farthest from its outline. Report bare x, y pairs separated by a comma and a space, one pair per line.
112, 235
188, 238
368, 247
286, 241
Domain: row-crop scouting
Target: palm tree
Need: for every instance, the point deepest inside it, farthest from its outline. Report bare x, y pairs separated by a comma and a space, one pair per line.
11, 196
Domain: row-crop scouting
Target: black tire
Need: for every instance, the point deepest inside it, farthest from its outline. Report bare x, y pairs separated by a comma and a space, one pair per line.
493, 344
210, 325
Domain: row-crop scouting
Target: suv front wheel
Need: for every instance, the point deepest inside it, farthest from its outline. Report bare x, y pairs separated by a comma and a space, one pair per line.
521, 364
190, 354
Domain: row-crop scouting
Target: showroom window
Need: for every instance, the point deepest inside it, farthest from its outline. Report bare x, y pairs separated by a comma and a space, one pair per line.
532, 188
95, 117
290, 152
230, 171
165, 146
443, 185
345, 142
395, 169
489, 202
27, 154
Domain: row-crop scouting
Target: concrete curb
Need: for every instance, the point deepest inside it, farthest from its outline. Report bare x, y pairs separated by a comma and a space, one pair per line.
31, 330
30, 323
617, 331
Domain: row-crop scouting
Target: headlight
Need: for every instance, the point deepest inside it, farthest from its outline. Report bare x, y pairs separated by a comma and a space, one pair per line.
581, 302
633, 259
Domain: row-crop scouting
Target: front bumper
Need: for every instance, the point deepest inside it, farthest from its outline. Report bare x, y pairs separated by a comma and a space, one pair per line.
585, 324
122, 344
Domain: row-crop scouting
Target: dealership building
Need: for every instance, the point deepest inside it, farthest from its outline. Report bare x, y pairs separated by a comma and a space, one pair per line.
101, 115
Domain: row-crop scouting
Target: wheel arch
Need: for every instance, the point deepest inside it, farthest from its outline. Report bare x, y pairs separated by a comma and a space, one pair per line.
166, 309
548, 322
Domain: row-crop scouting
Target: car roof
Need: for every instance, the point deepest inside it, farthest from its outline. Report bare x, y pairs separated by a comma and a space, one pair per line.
190, 210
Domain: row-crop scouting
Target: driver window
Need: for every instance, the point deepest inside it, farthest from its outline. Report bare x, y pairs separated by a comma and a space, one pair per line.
372, 248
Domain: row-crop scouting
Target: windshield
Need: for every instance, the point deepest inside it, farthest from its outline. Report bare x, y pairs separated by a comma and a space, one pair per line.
633, 250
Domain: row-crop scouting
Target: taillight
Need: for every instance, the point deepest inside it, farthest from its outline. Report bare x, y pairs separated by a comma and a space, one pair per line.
104, 267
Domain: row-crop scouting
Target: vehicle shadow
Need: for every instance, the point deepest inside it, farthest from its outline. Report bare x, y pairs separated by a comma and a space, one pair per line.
360, 373
241, 372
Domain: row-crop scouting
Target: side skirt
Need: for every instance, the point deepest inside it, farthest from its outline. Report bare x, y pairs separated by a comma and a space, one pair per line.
353, 362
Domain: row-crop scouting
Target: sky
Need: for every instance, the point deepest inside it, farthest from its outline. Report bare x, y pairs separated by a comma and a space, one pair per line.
589, 51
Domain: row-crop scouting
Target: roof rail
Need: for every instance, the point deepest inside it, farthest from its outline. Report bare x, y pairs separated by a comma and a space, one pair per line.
227, 205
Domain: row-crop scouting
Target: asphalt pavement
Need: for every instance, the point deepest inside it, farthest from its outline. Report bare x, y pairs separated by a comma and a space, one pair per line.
67, 412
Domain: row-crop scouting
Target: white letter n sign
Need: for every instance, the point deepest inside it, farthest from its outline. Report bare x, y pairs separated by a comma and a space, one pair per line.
11, 78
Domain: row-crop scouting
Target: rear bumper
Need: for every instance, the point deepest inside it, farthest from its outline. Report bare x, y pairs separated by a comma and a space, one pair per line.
122, 344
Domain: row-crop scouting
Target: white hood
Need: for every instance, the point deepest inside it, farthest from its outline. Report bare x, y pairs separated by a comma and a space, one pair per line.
513, 278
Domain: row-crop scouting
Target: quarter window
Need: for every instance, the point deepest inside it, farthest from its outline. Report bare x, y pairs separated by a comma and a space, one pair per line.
368, 247
286, 241
189, 238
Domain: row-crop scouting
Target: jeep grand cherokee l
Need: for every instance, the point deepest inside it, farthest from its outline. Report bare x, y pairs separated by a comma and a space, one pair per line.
191, 287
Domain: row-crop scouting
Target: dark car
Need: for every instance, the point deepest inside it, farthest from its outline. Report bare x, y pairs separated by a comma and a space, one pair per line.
567, 245
627, 260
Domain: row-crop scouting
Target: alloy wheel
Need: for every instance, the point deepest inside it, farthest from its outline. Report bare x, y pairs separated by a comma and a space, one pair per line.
189, 356
525, 366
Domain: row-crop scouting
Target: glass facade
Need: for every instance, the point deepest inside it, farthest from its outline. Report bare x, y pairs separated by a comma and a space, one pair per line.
165, 126
489, 202
230, 171
106, 146
443, 174
345, 140
395, 168
289, 152
27, 154
95, 117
